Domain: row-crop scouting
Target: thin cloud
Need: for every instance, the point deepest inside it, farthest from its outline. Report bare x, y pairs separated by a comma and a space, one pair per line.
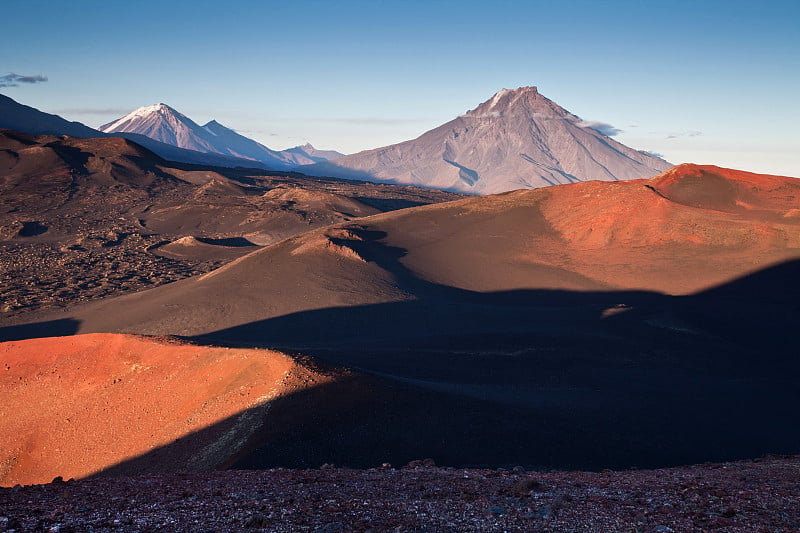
94, 111
13, 80
266, 133
600, 127
688, 133
374, 121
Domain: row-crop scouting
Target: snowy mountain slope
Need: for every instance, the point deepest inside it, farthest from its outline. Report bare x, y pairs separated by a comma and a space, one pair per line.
165, 124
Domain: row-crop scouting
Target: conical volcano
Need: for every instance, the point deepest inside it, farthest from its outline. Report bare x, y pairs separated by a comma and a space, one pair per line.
518, 139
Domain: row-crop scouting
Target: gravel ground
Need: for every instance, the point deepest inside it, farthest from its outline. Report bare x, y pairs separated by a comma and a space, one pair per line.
749, 496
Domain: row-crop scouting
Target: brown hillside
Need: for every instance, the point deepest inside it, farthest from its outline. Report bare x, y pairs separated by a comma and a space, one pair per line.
85, 218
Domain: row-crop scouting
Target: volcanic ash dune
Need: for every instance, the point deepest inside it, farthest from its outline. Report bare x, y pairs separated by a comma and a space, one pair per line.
75, 406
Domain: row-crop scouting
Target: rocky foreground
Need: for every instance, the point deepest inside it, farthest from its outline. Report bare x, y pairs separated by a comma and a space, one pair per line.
748, 496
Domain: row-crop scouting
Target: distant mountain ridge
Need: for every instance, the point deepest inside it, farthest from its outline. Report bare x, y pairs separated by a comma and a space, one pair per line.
216, 146
518, 139
164, 124
26, 119
307, 151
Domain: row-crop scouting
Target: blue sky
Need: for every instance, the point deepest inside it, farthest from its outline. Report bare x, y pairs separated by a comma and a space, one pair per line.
702, 81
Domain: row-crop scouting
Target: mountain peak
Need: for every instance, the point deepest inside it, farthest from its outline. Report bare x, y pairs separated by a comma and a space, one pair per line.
155, 108
159, 110
215, 128
522, 100
519, 91
306, 148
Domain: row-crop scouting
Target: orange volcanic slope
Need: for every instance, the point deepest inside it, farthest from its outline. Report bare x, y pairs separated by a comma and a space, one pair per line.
632, 235
73, 406
685, 230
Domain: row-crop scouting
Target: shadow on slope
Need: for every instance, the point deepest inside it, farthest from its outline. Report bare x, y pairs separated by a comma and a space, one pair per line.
546, 379
760, 311
365, 421
755, 311
51, 328
234, 242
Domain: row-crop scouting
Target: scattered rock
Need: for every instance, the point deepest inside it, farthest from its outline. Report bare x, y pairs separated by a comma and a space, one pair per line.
420, 463
524, 487
544, 512
10, 524
763, 495
333, 527
256, 521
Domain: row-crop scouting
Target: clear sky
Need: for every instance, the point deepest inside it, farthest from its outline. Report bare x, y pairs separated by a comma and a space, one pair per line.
713, 82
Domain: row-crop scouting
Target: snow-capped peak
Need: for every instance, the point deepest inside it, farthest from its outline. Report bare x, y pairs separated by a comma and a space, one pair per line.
150, 109
164, 124
142, 112
147, 110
